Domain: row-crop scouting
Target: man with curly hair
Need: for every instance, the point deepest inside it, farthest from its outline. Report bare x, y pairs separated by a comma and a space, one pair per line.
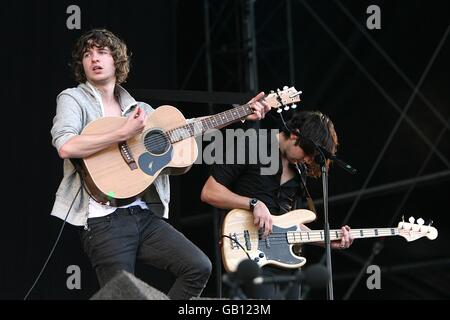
115, 238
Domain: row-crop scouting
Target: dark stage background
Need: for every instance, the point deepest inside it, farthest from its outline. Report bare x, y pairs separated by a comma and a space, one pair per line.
364, 79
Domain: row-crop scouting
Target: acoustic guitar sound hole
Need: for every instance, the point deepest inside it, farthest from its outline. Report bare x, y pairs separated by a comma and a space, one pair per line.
156, 142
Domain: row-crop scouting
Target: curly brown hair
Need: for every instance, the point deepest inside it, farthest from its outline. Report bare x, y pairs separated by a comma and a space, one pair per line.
101, 38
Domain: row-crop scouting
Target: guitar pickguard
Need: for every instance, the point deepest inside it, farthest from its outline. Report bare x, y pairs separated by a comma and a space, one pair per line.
276, 247
151, 164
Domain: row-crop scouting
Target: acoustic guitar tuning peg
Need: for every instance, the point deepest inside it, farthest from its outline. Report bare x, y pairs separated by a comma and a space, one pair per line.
429, 222
293, 106
411, 219
279, 110
271, 91
285, 87
286, 108
420, 221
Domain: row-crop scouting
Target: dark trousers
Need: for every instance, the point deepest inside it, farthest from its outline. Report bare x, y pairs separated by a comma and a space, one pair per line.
114, 243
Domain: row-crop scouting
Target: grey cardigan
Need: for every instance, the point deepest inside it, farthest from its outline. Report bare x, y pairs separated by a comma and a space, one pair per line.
76, 107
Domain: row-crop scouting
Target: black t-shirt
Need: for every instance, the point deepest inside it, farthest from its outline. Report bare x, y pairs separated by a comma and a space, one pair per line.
246, 179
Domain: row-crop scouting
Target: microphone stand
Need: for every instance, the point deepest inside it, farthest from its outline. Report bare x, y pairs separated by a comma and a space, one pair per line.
321, 157
322, 162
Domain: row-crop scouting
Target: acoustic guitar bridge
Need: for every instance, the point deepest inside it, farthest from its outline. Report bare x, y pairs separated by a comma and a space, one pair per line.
127, 155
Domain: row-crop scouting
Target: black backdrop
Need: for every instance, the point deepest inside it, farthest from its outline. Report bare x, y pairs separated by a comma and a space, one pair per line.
166, 38
40, 47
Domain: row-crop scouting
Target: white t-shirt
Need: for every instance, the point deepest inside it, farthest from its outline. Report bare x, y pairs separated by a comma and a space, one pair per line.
99, 210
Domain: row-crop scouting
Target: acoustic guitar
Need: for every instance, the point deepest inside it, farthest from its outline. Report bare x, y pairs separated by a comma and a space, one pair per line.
121, 172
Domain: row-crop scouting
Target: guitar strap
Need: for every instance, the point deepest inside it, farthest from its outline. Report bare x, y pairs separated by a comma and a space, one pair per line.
309, 201
304, 193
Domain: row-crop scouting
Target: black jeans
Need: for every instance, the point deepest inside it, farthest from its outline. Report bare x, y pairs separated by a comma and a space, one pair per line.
114, 243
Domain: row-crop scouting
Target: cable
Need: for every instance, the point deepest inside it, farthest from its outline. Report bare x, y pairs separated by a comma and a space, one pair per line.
285, 124
54, 246
240, 245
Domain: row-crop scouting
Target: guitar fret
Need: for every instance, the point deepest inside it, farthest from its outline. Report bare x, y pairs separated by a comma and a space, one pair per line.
230, 115
313, 235
214, 121
303, 236
189, 129
203, 125
226, 117
197, 128
175, 132
171, 136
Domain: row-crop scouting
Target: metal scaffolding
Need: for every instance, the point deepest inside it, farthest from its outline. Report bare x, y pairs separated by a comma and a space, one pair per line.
239, 42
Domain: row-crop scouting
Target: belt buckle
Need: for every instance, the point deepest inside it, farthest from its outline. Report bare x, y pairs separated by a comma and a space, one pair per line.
133, 210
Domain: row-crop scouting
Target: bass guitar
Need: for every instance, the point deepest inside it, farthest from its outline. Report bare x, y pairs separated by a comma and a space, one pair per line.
242, 239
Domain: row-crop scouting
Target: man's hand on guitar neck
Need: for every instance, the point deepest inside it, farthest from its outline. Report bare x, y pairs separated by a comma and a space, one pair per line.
262, 218
345, 242
259, 106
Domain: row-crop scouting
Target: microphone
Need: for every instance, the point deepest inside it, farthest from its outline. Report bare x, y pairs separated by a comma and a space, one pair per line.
324, 153
246, 272
315, 276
